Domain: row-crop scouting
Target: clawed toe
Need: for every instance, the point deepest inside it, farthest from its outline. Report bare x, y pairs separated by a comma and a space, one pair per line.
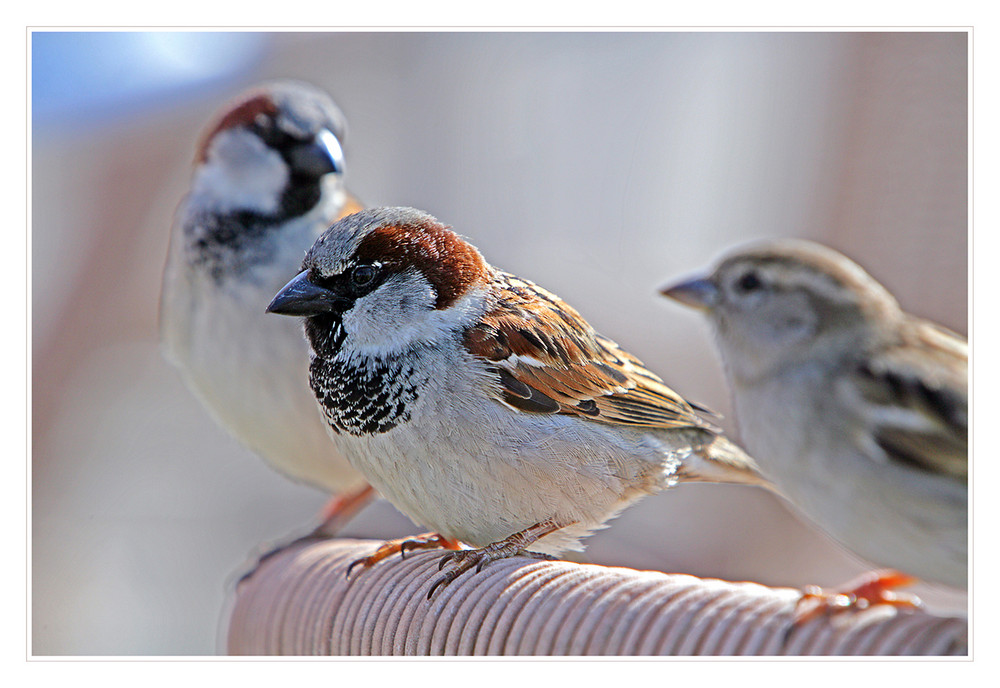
443, 580
868, 591
510, 546
461, 561
464, 560
425, 541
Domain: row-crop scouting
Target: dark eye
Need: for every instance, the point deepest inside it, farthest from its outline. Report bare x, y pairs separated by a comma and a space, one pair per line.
270, 133
749, 282
363, 275
263, 126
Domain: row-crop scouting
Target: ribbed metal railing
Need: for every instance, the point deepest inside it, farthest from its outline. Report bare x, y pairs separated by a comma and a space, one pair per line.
298, 602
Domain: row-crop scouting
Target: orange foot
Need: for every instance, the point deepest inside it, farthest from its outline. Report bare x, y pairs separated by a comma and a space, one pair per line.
403, 545
862, 592
340, 509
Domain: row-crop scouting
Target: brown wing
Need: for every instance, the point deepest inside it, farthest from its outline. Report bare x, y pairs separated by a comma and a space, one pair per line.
924, 389
549, 360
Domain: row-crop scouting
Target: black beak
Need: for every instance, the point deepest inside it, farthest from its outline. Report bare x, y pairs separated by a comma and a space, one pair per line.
323, 155
700, 293
302, 298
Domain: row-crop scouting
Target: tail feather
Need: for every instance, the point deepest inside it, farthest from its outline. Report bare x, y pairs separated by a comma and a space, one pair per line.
723, 461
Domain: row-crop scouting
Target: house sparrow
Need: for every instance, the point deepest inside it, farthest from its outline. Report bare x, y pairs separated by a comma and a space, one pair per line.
268, 180
479, 404
855, 409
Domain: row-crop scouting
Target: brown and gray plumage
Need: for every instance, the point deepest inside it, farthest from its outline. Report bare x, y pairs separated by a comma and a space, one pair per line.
857, 410
268, 179
490, 410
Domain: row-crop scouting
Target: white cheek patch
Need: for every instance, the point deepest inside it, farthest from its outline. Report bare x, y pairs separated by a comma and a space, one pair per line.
240, 173
386, 320
400, 315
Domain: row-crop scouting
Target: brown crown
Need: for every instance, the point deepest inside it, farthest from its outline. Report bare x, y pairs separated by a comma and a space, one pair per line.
240, 115
449, 263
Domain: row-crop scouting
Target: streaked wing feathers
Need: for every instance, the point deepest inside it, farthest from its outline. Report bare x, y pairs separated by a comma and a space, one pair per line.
549, 360
923, 387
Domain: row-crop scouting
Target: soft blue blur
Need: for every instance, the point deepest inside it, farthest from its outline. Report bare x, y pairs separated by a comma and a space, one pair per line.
109, 76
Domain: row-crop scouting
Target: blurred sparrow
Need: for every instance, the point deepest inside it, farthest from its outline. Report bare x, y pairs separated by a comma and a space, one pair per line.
857, 410
268, 180
479, 404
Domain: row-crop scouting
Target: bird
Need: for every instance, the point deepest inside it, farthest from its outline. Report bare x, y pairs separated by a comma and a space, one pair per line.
855, 409
479, 404
268, 179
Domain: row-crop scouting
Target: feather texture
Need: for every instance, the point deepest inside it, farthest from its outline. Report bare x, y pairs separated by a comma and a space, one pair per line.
917, 391
548, 359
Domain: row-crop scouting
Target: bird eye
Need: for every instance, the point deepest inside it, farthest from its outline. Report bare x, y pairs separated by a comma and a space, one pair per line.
363, 275
263, 125
273, 135
749, 282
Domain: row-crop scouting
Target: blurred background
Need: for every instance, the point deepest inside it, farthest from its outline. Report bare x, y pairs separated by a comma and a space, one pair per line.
600, 165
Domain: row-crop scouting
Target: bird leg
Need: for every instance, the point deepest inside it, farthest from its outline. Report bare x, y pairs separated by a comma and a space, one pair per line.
865, 591
514, 545
340, 509
335, 514
402, 545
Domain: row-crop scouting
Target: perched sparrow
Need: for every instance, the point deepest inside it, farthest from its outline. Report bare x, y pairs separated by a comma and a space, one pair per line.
268, 180
855, 409
478, 403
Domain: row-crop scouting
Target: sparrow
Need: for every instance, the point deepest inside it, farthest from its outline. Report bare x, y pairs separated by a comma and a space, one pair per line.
479, 404
855, 409
268, 179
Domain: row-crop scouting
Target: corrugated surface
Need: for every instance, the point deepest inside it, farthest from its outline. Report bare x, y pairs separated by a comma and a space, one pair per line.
298, 602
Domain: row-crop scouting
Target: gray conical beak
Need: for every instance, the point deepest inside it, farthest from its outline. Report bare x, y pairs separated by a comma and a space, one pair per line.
319, 157
700, 293
303, 298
